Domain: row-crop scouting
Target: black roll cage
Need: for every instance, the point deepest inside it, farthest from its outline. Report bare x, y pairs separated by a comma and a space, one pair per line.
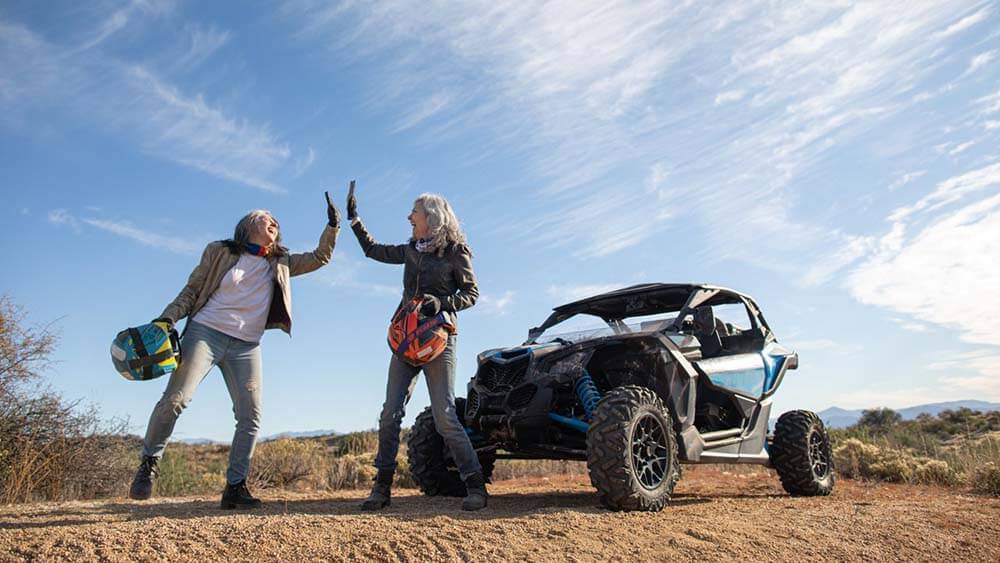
613, 307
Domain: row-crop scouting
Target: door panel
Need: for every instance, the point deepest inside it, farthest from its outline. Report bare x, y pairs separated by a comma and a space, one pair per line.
739, 373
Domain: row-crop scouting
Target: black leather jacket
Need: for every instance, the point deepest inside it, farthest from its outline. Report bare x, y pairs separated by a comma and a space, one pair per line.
449, 277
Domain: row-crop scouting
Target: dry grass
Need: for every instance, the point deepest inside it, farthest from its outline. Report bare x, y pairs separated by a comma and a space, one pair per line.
956, 449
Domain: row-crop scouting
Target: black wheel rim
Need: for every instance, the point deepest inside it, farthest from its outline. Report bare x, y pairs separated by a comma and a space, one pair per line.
649, 451
818, 458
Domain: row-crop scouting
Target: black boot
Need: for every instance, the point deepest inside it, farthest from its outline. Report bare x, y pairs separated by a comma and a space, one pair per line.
381, 495
142, 483
476, 496
238, 496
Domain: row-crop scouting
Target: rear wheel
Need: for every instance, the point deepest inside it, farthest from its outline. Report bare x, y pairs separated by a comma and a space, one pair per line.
432, 465
801, 454
632, 450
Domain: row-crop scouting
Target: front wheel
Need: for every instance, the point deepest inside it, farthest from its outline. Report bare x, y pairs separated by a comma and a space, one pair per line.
632, 450
801, 454
432, 465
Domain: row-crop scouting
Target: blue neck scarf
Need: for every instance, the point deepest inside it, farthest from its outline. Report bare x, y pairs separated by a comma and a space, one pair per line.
256, 249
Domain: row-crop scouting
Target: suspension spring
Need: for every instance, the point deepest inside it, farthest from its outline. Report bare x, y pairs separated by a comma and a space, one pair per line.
587, 391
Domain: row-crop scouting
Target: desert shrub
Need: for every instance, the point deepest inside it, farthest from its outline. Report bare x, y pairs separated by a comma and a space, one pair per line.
289, 463
985, 479
50, 449
895, 468
351, 472
354, 443
879, 419
521, 468
936, 472
854, 458
857, 460
191, 470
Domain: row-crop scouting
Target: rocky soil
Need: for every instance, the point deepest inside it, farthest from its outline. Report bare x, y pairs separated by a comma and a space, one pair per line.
715, 515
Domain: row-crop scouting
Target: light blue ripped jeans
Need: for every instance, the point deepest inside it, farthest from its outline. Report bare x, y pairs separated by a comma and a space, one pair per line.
440, 376
240, 361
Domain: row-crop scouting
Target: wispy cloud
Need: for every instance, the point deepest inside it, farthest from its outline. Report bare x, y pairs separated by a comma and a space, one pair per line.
965, 23
494, 305
134, 101
130, 231
127, 230
303, 163
63, 217
981, 60
985, 362
348, 272
729, 96
989, 104
938, 274
596, 96
425, 110
906, 178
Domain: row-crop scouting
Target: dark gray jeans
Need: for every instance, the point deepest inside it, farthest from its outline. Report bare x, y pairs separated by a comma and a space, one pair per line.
440, 376
240, 362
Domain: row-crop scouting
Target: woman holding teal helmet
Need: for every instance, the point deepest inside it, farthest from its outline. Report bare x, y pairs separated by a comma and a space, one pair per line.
239, 289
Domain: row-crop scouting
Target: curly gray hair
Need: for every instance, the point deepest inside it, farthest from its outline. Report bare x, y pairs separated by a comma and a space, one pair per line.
441, 221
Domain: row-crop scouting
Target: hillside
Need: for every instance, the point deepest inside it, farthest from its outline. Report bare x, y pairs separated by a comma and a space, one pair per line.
836, 417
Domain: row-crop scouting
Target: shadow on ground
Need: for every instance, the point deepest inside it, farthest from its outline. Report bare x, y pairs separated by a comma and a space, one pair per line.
409, 507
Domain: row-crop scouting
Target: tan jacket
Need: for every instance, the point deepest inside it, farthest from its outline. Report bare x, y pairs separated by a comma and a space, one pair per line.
218, 258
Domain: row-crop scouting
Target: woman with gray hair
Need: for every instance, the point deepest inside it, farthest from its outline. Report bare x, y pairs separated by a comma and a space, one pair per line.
438, 268
238, 290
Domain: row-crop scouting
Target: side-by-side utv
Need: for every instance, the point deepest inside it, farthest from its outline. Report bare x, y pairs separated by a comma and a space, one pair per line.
675, 373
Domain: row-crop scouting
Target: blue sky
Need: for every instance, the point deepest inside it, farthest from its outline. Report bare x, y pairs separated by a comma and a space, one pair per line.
836, 160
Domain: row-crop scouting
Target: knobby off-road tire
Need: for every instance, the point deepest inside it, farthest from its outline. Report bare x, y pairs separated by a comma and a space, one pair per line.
632, 450
801, 454
431, 465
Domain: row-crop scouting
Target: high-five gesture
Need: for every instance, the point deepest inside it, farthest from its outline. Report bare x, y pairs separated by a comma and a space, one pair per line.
352, 203
333, 216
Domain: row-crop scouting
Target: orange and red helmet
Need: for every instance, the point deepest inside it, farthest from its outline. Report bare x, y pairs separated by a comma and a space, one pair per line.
415, 339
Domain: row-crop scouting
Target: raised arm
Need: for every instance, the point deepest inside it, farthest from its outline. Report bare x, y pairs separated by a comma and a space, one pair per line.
465, 279
388, 253
306, 262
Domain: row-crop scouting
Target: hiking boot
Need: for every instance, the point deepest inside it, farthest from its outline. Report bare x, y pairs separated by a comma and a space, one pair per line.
238, 496
476, 495
142, 483
381, 495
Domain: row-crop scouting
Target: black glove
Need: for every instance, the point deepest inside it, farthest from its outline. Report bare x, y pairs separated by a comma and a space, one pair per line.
169, 322
333, 216
352, 203
431, 305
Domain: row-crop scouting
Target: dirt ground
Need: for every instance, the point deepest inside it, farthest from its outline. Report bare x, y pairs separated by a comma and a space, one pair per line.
715, 515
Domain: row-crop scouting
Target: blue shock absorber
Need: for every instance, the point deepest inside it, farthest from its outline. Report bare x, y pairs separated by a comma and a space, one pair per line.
588, 393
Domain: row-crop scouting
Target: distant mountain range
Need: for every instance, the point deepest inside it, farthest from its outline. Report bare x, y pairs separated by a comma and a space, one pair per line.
836, 417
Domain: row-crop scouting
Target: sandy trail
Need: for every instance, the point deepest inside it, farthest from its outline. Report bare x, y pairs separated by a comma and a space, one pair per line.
714, 515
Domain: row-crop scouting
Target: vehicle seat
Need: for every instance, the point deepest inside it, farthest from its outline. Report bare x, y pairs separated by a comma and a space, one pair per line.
707, 332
